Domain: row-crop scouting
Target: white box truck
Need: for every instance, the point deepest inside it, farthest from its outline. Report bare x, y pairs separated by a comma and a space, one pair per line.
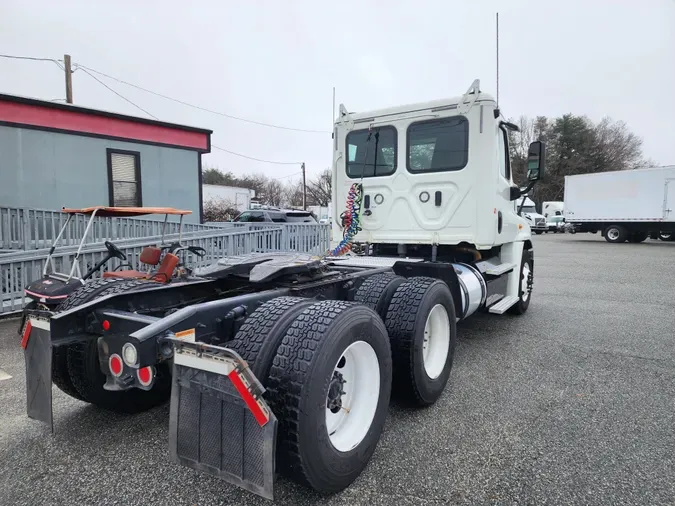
627, 205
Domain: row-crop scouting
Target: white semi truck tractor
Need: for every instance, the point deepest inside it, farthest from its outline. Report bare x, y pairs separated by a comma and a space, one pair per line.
285, 362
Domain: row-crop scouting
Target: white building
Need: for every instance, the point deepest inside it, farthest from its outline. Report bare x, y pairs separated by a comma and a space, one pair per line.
239, 198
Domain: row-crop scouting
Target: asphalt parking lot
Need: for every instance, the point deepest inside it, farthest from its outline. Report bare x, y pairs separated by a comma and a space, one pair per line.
572, 403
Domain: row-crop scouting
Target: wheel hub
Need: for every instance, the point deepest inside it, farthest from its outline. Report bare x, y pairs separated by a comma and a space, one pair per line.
335, 392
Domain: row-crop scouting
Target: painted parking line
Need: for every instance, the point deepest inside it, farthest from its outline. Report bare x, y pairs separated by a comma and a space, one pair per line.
4, 375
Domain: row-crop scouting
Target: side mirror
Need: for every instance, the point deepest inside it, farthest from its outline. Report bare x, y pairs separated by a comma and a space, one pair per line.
514, 193
536, 160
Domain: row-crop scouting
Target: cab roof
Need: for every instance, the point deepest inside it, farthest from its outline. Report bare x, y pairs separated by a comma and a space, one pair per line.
444, 103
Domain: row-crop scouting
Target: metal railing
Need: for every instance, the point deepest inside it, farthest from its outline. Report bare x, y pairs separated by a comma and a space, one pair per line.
19, 268
24, 228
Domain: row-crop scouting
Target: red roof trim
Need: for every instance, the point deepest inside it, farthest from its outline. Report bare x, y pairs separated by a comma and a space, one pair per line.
34, 113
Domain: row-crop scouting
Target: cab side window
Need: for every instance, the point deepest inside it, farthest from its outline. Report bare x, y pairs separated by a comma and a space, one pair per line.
504, 161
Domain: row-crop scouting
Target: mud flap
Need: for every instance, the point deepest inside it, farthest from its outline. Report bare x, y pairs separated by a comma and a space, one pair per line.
212, 429
38, 355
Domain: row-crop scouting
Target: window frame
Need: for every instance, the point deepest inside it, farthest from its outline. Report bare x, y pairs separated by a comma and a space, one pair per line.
137, 166
435, 120
507, 164
394, 169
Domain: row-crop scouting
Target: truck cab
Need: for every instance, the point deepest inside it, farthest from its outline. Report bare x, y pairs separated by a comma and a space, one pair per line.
433, 173
536, 221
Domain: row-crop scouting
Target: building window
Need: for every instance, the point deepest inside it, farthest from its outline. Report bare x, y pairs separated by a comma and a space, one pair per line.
438, 145
124, 178
371, 152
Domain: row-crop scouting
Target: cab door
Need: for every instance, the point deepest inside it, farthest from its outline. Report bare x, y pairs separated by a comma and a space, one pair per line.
507, 226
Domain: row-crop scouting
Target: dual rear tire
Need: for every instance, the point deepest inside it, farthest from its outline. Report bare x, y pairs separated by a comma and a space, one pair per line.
329, 367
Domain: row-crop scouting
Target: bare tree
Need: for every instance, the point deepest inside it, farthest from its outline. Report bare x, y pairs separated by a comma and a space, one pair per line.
293, 194
273, 193
319, 189
219, 210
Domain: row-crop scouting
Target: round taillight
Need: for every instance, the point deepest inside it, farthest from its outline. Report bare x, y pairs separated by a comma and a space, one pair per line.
106, 325
115, 364
129, 354
145, 375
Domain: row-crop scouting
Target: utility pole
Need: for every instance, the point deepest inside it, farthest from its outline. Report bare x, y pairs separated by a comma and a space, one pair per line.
304, 188
69, 79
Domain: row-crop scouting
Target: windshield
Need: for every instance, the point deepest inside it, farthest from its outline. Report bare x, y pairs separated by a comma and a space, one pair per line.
529, 209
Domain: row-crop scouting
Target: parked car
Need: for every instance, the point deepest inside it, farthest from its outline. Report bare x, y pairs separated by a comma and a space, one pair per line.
274, 215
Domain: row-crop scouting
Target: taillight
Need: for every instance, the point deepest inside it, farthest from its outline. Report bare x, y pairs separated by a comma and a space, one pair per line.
145, 375
105, 324
115, 365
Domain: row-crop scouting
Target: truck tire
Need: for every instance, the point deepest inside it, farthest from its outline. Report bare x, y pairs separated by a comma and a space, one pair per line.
423, 333
376, 292
538, 232
60, 375
666, 236
615, 234
334, 361
637, 237
525, 286
260, 336
85, 371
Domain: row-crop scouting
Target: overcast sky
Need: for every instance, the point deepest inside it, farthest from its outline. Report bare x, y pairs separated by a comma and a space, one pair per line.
277, 62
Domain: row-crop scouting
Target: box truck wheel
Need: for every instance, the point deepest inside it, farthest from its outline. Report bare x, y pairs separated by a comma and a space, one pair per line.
376, 292
329, 386
616, 234
84, 366
423, 332
260, 336
525, 287
666, 236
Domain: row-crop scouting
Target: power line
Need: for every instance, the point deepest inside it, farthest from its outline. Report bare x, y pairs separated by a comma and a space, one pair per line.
31, 58
280, 127
89, 71
289, 175
119, 95
253, 158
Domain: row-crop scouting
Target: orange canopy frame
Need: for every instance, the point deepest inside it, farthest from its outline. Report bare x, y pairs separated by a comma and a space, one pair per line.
125, 211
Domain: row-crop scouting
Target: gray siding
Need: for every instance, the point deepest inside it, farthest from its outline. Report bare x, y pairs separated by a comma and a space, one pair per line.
48, 170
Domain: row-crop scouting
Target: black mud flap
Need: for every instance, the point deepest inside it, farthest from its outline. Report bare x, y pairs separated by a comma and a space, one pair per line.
36, 341
211, 427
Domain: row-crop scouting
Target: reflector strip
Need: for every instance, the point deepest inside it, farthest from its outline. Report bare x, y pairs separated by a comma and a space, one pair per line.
260, 415
26, 334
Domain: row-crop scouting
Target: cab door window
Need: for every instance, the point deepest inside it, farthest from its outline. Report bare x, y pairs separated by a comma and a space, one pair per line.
504, 161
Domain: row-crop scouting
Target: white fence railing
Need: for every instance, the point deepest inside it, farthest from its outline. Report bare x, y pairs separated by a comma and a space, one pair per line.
18, 269
24, 228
